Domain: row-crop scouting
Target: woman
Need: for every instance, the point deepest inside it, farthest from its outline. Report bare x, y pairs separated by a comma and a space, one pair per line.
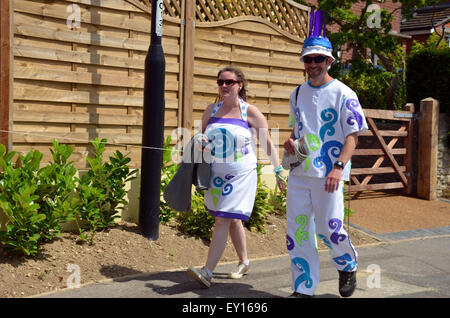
230, 126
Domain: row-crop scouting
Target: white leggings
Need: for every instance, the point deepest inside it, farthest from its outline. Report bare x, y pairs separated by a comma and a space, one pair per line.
311, 211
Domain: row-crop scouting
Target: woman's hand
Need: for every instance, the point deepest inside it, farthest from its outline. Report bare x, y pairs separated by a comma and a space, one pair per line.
281, 184
281, 180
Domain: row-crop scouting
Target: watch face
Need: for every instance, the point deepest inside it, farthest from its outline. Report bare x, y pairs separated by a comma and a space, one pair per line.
339, 164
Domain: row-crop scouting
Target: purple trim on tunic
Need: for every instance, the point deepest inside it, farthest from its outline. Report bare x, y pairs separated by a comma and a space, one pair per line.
232, 121
228, 215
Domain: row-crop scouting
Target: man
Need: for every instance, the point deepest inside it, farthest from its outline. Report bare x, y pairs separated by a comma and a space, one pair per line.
326, 115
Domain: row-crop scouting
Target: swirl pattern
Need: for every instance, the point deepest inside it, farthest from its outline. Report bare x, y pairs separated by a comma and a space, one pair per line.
329, 116
227, 189
305, 277
223, 142
298, 119
218, 182
229, 176
351, 104
314, 144
334, 147
301, 235
289, 243
336, 225
325, 241
345, 260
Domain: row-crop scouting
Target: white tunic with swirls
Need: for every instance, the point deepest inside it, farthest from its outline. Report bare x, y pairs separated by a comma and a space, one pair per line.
325, 116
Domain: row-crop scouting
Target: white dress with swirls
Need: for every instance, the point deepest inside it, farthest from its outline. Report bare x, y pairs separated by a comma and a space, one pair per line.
233, 169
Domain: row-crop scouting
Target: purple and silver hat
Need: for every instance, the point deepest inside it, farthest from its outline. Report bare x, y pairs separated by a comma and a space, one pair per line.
317, 42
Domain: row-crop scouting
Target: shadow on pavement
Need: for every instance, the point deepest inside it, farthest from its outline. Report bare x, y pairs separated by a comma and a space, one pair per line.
179, 284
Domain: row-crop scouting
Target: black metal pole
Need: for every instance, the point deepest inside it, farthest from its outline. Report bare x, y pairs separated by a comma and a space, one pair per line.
153, 129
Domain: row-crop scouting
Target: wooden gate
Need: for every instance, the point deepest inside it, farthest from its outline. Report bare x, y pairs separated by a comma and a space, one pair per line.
391, 158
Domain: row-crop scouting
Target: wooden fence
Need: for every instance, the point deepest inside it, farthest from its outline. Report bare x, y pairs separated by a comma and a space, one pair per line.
75, 82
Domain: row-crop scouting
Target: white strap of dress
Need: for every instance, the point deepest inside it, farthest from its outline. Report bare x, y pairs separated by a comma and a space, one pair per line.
216, 108
242, 106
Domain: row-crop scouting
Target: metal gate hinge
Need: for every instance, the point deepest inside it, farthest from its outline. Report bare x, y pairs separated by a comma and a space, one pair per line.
402, 115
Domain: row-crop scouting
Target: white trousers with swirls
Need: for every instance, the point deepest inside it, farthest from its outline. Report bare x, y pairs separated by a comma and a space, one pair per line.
312, 213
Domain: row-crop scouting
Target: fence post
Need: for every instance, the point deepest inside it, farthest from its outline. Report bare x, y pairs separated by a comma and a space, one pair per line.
409, 157
5, 71
428, 149
188, 74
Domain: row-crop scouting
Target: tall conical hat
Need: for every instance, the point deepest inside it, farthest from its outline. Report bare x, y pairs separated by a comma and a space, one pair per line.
317, 42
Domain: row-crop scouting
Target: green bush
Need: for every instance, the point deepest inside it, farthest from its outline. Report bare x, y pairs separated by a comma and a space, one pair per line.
34, 200
168, 170
102, 191
277, 199
428, 75
37, 200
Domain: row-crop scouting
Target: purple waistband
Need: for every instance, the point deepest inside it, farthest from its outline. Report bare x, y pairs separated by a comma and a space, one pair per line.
232, 121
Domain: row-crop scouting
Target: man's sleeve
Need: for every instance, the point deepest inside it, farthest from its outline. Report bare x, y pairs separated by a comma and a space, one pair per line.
352, 116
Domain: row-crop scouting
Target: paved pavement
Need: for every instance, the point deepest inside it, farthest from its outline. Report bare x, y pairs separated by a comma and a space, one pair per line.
416, 267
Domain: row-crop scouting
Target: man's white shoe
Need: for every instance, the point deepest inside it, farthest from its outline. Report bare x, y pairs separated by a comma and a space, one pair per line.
200, 275
241, 270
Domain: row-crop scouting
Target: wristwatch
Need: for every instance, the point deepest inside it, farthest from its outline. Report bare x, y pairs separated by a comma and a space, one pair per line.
339, 164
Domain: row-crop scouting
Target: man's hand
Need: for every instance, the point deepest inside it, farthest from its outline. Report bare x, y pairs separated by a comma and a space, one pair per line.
333, 180
289, 146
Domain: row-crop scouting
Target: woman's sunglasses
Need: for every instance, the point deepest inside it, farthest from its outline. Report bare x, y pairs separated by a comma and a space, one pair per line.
227, 82
316, 59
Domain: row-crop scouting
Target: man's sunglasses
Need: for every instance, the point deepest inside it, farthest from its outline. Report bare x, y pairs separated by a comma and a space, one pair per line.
227, 82
316, 59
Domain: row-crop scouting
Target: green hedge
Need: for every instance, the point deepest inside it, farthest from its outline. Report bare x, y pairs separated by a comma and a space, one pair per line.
428, 75
35, 200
